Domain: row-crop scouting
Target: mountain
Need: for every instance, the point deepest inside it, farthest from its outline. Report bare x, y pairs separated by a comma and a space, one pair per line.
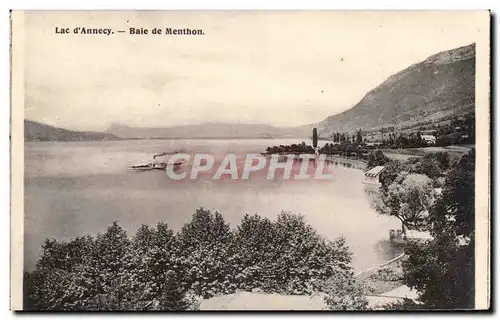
441, 86
34, 131
210, 131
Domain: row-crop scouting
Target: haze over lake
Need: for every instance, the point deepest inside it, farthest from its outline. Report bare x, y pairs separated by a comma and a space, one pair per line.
78, 188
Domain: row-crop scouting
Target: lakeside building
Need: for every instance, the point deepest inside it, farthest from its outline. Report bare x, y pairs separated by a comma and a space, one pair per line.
371, 181
430, 139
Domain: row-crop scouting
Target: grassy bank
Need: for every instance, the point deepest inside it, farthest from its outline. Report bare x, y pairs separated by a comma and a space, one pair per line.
404, 154
383, 279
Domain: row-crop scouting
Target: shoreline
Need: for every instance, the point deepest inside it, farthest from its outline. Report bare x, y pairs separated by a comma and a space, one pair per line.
358, 163
362, 164
384, 277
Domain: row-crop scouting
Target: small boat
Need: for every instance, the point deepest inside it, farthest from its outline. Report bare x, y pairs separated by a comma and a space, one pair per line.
149, 166
141, 167
155, 165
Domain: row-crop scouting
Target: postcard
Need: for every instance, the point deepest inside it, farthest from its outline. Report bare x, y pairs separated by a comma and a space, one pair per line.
250, 160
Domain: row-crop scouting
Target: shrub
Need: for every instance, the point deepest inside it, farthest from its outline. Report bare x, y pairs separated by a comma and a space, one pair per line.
387, 274
344, 292
377, 158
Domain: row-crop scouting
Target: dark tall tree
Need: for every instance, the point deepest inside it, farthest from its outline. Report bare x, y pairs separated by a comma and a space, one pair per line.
173, 295
442, 269
359, 138
315, 137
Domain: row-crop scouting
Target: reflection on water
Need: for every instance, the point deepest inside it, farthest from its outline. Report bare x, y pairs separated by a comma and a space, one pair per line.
77, 188
389, 249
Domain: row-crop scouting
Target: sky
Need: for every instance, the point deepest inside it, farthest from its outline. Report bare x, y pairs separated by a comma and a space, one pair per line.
284, 68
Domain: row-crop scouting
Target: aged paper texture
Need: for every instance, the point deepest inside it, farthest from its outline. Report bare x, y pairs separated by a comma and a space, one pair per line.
250, 160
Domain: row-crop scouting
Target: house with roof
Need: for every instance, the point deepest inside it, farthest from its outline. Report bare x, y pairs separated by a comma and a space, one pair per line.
430, 139
371, 179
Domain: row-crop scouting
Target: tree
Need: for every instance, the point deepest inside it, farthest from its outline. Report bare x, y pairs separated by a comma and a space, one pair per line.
344, 292
160, 270
157, 279
110, 256
300, 257
427, 165
408, 198
458, 196
173, 297
253, 242
433, 165
442, 158
110, 265
83, 274
205, 245
315, 138
359, 138
376, 158
442, 269
285, 256
59, 280
390, 173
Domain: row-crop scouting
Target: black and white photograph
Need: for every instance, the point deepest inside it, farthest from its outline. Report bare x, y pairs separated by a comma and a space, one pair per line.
250, 160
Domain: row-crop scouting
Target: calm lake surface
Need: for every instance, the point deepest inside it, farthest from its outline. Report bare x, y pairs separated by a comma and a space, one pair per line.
78, 188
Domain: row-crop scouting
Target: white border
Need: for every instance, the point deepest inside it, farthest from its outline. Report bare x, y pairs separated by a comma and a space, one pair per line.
185, 4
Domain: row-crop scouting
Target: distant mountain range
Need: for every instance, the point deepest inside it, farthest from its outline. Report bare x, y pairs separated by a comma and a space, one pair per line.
34, 131
212, 131
440, 86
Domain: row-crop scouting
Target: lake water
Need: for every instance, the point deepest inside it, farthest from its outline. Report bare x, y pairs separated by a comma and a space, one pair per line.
78, 188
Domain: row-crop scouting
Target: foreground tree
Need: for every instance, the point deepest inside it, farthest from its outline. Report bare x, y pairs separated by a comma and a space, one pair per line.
158, 269
285, 256
301, 257
409, 199
155, 281
442, 269
253, 244
205, 248
343, 292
